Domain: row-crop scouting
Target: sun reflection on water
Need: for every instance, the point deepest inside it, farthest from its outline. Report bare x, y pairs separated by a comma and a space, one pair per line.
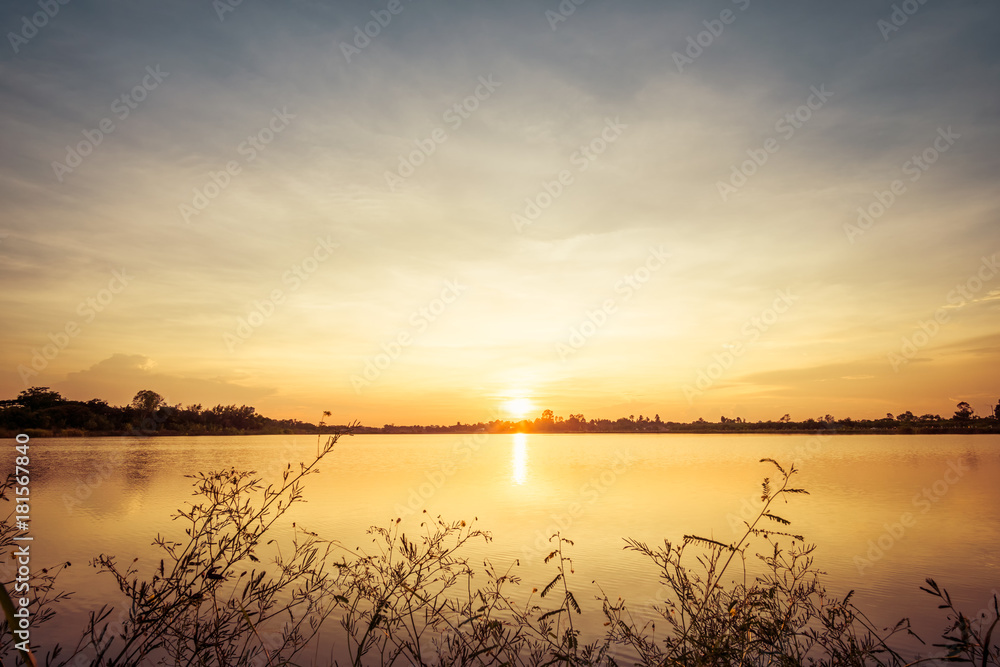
519, 458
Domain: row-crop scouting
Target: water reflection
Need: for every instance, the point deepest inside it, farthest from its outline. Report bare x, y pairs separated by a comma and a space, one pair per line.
860, 487
519, 458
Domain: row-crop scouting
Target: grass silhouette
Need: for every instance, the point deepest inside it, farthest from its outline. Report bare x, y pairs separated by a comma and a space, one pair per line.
226, 593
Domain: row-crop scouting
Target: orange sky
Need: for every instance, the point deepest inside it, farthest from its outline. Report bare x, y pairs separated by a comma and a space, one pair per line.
484, 204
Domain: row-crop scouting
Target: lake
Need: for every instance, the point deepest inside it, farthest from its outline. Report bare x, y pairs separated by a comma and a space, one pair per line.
885, 511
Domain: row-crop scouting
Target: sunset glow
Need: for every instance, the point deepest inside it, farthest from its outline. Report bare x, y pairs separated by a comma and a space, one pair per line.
519, 459
519, 408
775, 220
422, 332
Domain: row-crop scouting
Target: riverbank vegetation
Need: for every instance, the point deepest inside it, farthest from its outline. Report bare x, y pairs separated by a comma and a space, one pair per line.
40, 412
227, 591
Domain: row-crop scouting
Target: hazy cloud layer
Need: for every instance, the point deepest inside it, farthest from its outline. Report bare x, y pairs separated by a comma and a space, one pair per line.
290, 198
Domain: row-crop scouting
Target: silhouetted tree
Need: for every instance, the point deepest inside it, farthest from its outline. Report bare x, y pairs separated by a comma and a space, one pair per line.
39, 398
964, 412
575, 423
147, 402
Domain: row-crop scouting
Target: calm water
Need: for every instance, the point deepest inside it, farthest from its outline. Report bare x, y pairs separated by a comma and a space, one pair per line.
110, 495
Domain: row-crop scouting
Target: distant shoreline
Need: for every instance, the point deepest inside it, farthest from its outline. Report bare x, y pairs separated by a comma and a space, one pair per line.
41, 433
39, 412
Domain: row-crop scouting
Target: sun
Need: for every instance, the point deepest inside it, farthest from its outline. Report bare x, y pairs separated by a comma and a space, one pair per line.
519, 407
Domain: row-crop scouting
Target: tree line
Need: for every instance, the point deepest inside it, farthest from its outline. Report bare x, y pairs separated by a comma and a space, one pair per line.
39, 411
964, 420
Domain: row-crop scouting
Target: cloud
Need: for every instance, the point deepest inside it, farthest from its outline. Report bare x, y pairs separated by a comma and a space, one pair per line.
839, 373
324, 175
977, 346
119, 377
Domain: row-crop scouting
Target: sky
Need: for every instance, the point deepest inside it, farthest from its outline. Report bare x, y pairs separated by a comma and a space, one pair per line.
413, 211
